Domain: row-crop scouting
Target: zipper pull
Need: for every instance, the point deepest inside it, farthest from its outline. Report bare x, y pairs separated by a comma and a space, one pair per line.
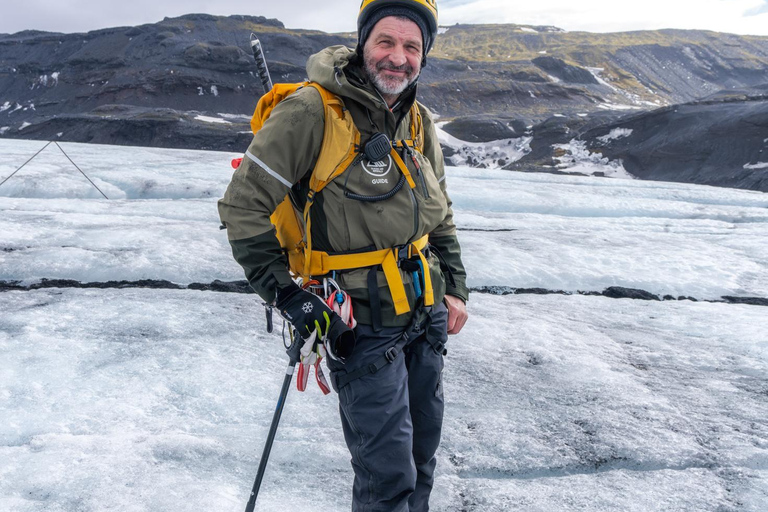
420, 174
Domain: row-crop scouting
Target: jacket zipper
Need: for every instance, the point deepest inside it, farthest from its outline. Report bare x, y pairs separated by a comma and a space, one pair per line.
419, 173
415, 214
423, 183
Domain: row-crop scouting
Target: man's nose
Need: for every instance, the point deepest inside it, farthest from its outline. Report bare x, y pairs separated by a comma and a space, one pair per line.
397, 56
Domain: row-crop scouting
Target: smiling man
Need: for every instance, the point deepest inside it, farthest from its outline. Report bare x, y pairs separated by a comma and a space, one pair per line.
384, 227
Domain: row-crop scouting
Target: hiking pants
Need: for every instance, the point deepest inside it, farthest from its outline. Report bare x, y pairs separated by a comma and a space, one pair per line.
392, 419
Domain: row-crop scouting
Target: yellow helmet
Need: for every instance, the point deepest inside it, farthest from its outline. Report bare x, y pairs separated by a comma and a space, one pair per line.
425, 9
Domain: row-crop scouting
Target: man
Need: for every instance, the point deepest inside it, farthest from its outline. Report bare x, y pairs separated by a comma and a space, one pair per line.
389, 384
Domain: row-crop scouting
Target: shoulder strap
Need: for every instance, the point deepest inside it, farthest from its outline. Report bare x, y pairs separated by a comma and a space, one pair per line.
340, 139
417, 128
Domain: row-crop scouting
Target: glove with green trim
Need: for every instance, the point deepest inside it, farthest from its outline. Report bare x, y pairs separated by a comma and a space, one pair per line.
308, 313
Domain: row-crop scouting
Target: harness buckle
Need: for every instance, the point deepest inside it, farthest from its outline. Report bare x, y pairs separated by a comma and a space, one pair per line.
405, 255
403, 252
391, 354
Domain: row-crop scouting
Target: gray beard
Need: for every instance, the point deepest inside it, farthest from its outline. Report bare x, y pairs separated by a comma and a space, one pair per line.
384, 88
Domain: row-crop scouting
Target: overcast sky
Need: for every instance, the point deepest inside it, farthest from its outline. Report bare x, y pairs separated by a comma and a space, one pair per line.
737, 16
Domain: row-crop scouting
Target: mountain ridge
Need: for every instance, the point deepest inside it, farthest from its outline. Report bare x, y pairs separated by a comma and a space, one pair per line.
100, 86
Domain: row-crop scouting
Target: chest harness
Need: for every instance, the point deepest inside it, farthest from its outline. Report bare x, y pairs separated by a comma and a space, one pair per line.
340, 150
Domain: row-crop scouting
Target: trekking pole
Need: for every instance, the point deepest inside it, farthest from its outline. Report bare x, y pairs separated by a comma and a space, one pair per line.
294, 350
294, 355
261, 63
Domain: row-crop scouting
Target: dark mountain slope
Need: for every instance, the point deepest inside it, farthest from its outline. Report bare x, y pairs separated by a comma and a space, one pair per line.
721, 143
188, 82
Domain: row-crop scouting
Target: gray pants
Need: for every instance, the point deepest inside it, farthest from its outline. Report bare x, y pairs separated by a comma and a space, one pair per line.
392, 419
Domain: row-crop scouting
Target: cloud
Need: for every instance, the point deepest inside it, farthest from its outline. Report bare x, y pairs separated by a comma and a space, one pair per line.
738, 16
613, 16
85, 15
760, 9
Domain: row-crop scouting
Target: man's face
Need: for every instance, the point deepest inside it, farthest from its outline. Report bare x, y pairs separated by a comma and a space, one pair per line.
393, 55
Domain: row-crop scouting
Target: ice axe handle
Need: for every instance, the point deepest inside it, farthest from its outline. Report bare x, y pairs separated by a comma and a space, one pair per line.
261, 64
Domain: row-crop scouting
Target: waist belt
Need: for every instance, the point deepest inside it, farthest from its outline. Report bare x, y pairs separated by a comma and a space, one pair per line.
323, 263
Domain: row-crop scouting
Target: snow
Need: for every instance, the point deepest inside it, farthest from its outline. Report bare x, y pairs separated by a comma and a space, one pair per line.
491, 155
596, 74
215, 91
578, 159
237, 117
208, 119
613, 106
616, 133
442, 30
5, 106
567, 232
143, 400
528, 29
24, 125
160, 400
4, 129
758, 165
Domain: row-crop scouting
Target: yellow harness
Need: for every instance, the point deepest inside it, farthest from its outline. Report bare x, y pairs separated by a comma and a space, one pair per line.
341, 140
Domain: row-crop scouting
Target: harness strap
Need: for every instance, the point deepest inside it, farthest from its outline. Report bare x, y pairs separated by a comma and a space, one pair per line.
321, 263
342, 379
373, 295
403, 168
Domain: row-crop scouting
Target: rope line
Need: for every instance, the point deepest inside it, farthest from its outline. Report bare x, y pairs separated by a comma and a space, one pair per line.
25, 163
68, 158
81, 171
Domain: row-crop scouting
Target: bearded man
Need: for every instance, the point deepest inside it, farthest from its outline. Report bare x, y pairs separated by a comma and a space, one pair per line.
389, 377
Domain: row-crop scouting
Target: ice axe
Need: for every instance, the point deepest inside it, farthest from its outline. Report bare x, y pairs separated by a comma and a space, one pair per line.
264, 77
261, 63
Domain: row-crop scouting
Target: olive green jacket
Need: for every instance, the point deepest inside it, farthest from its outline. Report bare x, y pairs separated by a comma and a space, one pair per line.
280, 160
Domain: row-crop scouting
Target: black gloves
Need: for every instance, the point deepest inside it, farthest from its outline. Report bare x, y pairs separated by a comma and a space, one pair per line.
307, 312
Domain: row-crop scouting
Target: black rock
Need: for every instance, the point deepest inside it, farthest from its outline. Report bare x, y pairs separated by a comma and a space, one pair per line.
480, 130
223, 286
565, 72
754, 301
618, 292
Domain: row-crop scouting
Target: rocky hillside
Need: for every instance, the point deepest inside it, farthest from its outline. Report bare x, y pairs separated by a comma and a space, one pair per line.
188, 81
